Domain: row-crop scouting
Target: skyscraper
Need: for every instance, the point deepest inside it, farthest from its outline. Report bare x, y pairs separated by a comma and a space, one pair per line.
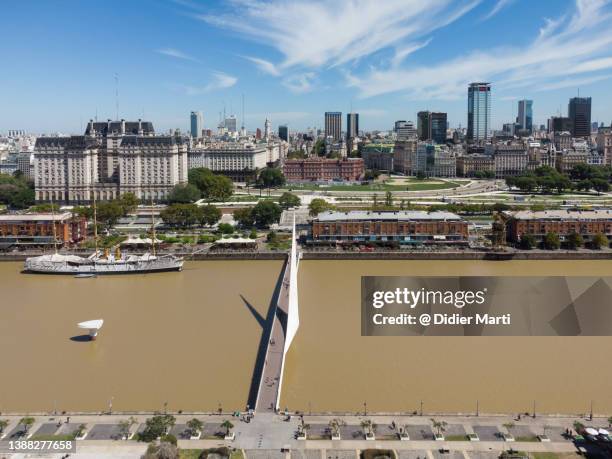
525, 115
196, 124
405, 130
352, 125
432, 126
333, 125
579, 113
479, 111
267, 129
283, 133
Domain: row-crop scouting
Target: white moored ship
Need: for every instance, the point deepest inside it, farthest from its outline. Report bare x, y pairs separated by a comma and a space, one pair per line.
103, 262
95, 264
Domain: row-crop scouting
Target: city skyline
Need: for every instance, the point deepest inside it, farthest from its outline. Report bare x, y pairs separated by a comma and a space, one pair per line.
213, 53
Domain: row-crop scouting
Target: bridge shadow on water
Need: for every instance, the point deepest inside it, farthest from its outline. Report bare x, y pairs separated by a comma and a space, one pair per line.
266, 325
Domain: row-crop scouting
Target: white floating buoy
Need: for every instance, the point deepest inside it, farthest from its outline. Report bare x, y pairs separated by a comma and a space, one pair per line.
92, 327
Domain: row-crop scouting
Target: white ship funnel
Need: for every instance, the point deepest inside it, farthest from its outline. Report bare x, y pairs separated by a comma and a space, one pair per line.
92, 327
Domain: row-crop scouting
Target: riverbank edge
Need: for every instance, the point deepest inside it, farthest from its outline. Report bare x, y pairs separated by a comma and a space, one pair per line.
463, 255
339, 414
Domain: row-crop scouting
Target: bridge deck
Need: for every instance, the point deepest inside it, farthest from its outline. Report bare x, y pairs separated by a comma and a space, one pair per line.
270, 379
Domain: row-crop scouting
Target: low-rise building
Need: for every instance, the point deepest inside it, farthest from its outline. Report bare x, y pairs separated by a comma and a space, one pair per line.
470, 165
234, 160
604, 144
403, 227
562, 222
322, 169
37, 229
403, 152
378, 156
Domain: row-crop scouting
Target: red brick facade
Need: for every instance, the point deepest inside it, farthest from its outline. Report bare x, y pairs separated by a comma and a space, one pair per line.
322, 169
38, 228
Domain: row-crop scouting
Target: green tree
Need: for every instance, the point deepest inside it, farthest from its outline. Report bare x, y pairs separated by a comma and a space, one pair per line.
27, 422
157, 426
125, 426
420, 175
244, 217
253, 234
228, 426
23, 198
600, 185
574, 241
288, 200
388, 199
225, 228
212, 187
271, 177
109, 212
599, 240
527, 242
195, 426
551, 241
3, 425
266, 212
182, 215
317, 206
319, 147
184, 194
439, 426
129, 202
210, 214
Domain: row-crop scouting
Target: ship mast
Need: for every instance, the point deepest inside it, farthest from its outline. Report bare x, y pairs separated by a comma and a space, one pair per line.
152, 228
95, 222
53, 224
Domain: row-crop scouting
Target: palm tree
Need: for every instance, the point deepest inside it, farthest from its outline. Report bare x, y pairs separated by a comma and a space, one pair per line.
508, 426
334, 426
439, 426
228, 426
195, 426
27, 422
368, 427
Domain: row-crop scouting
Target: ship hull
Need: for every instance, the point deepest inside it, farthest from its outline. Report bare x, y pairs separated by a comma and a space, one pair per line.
73, 266
102, 273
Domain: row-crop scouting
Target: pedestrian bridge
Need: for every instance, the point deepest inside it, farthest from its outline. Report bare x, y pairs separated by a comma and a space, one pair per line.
279, 330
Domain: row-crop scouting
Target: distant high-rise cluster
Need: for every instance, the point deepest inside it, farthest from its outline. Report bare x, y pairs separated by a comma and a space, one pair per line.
432, 126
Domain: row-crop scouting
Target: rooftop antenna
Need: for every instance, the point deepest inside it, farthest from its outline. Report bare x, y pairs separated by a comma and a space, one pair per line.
116, 96
96, 114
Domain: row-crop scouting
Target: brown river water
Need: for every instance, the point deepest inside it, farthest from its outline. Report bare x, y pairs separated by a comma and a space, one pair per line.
188, 339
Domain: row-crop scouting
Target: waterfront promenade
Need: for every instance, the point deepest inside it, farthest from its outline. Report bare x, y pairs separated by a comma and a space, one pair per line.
267, 434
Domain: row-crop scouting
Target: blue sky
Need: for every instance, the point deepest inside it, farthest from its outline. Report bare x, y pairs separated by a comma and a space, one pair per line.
295, 59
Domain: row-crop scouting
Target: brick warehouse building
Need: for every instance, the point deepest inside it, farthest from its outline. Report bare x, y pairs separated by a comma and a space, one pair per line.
587, 223
322, 169
403, 227
37, 229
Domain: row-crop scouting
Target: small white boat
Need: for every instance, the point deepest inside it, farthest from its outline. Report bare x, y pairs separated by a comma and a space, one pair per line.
84, 275
92, 327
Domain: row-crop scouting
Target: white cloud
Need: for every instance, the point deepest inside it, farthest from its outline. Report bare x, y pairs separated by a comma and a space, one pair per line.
318, 33
573, 82
500, 5
172, 52
300, 83
576, 44
220, 81
263, 65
